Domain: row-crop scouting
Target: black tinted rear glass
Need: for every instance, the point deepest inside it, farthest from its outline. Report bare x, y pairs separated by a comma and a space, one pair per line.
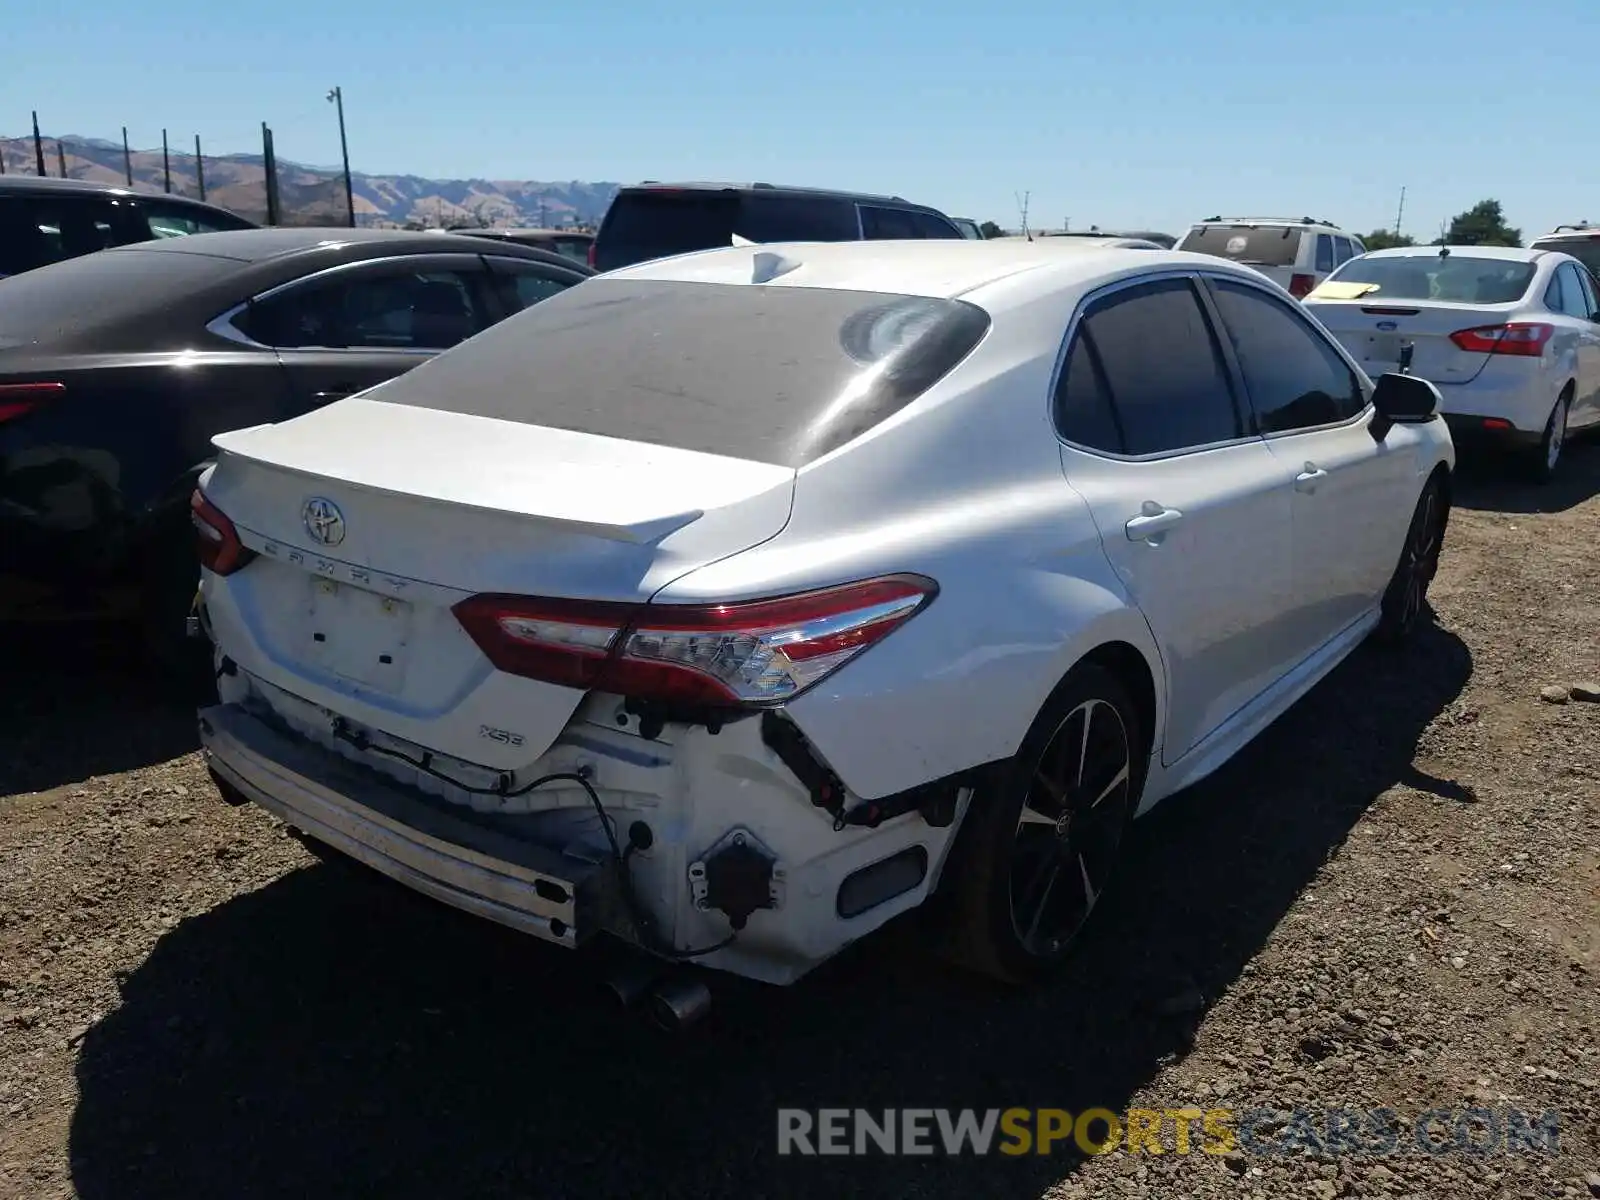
1459, 278
1263, 245
777, 374
66, 300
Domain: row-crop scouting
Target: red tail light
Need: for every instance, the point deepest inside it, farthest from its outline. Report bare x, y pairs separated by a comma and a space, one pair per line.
1526, 339
1301, 285
747, 654
591, 256
19, 398
221, 551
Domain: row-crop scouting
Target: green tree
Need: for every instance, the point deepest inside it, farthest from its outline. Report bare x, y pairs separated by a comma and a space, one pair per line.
990, 230
1382, 239
1481, 225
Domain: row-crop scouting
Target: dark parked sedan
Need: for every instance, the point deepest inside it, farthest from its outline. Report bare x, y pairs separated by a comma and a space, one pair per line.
118, 368
45, 220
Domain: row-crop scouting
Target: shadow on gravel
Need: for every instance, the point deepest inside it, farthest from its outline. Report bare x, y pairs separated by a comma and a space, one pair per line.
1485, 482
332, 1035
74, 703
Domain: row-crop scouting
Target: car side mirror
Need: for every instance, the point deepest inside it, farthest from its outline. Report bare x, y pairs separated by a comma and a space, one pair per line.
1405, 399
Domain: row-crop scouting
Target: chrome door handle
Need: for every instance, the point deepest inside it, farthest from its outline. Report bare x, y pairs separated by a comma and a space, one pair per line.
1309, 478
1152, 522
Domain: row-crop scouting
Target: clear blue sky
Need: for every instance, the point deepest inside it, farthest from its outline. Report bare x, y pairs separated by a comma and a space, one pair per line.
1147, 113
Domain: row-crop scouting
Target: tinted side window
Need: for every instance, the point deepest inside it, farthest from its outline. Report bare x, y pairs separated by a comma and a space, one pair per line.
887, 223
1294, 378
934, 227
1555, 293
1083, 411
392, 310
1342, 250
36, 230
1324, 252
1587, 282
1573, 302
523, 284
1160, 361
178, 220
779, 218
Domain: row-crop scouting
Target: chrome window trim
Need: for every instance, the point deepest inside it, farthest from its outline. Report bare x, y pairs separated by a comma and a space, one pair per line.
222, 325
1091, 297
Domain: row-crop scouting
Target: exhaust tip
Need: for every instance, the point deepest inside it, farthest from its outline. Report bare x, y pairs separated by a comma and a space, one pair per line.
628, 983
676, 1004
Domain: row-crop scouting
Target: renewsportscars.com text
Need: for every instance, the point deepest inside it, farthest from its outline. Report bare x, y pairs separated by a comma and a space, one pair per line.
1259, 1131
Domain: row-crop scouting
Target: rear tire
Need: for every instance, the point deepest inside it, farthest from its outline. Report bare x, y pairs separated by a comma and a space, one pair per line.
1405, 601
1040, 839
1543, 461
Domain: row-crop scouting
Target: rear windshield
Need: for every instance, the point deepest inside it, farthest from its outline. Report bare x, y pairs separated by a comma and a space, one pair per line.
1585, 249
55, 303
1460, 278
777, 375
1262, 245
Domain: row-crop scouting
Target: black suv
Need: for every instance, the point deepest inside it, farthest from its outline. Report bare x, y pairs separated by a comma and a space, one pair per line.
44, 220
654, 220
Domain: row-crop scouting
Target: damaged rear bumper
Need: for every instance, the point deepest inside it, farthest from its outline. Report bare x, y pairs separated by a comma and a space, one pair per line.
537, 889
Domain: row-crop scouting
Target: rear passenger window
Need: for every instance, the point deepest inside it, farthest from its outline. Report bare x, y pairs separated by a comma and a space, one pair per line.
1554, 299
1572, 300
887, 224
1342, 249
1083, 411
780, 218
1295, 379
1587, 283
930, 226
1324, 252
1160, 365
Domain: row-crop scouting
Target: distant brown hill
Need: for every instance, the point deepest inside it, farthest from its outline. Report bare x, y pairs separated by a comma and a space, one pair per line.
315, 195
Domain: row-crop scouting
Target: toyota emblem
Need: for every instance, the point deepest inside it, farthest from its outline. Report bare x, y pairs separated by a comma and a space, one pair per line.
324, 521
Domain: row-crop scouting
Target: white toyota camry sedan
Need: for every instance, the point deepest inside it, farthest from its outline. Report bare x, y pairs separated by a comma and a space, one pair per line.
734, 603
1511, 336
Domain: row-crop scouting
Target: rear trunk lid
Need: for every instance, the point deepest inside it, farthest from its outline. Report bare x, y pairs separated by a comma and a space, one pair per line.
372, 519
1375, 331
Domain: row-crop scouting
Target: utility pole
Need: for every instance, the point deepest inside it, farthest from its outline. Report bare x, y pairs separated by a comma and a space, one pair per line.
336, 97
127, 158
38, 147
199, 167
1400, 214
61, 159
166, 164
1022, 209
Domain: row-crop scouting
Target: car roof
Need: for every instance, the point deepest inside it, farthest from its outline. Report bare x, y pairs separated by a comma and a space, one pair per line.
1508, 253
1083, 241
523, 237
1272, 223
1568, 233
936, 267
261, 245
652, 185
45, 185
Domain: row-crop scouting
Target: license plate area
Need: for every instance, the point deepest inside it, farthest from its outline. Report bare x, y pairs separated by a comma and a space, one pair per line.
357, 634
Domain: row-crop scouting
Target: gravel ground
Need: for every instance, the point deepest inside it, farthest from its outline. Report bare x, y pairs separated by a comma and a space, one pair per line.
1391, 899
